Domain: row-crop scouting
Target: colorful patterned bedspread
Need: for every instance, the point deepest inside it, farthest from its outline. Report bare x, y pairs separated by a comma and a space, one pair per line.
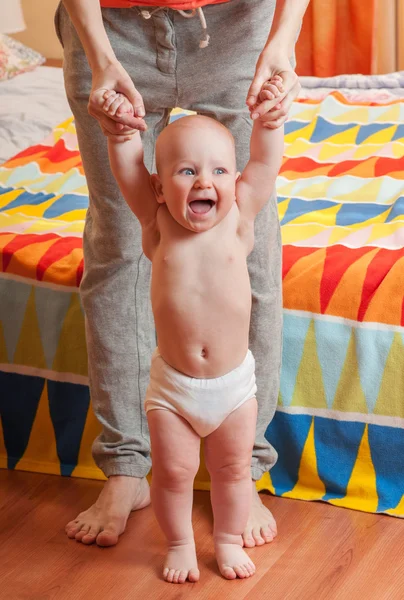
339, 428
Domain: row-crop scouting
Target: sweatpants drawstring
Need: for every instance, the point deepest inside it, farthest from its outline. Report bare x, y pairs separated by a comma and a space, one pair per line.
204, 41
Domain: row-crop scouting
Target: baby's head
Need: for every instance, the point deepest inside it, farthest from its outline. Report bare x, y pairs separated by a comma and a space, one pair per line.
196, 171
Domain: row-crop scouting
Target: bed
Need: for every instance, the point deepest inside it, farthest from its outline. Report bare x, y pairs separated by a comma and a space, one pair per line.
31, 105
339, 427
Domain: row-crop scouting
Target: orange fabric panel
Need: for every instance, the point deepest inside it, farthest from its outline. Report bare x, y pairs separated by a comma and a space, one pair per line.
168, 3
337, 37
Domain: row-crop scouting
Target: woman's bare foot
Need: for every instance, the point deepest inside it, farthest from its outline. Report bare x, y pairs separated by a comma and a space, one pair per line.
233, 562
181, 564
105, 520
261, 526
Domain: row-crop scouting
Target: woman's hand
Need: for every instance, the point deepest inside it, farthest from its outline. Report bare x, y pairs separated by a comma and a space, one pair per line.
115, 78
272, 112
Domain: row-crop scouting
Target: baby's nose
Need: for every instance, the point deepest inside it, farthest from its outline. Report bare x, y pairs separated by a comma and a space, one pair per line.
203, 181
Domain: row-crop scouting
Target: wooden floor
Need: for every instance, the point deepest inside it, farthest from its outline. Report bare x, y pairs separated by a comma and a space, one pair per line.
322, 552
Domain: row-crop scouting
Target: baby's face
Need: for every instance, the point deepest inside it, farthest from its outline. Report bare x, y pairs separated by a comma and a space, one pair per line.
197, 175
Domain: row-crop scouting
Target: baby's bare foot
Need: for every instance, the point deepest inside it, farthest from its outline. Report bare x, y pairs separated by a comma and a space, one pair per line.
233, 562
181, 564
105, 520
261, 526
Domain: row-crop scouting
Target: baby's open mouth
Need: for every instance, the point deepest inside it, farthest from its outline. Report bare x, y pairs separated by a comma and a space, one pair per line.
201, 207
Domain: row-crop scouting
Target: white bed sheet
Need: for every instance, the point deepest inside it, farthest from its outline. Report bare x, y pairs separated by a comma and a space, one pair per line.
31, 104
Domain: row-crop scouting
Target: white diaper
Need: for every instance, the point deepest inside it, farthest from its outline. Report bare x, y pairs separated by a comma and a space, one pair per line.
204, 403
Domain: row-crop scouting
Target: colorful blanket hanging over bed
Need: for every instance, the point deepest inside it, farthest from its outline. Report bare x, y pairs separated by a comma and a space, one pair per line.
339, 428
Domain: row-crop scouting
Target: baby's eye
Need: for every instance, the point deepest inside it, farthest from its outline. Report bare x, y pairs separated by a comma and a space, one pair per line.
219, 171
187, 171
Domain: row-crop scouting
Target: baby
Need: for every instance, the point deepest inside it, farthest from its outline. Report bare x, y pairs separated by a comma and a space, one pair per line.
197, 217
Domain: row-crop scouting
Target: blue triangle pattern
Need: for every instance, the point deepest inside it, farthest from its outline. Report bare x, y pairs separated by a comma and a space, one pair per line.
5, 190
398, 134
336, 438
19, 400
68, 407
366, 131
349, 214
291, 126
324, 129
28, 198
397, 210
65, 204
288, 434
298, 207
387, 450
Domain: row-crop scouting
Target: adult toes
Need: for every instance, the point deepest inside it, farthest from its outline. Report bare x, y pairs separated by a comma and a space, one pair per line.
91, 535
267, 534
107, 537
256, 533
73, 527
248, 540
79, 535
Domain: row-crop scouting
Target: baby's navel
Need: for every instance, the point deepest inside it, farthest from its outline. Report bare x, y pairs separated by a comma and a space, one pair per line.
204, 353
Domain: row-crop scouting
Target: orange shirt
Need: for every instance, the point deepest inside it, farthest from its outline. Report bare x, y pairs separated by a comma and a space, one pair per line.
168, 3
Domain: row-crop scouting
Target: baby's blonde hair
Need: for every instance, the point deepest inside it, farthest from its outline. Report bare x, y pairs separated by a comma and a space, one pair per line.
195, 121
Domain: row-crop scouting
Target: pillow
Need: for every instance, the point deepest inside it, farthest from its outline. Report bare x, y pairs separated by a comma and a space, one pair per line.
15, 58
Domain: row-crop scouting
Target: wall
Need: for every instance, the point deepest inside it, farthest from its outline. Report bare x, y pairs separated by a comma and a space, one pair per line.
388, 51
40, 33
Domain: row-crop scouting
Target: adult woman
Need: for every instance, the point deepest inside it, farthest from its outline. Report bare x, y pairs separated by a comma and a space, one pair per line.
157, 49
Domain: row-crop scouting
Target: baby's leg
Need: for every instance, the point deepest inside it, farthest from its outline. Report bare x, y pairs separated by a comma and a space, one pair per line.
228, 457
175, 457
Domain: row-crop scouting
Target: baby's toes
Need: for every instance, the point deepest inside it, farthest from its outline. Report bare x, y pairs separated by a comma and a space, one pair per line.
182, 576
193, 575
176, 576
251, 566
228, 572
240, 571
246, 571
170, 575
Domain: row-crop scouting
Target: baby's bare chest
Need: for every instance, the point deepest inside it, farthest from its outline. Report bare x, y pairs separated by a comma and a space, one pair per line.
202, 255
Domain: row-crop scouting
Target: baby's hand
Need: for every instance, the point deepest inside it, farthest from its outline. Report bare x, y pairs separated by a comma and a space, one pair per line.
116, 104
272, 89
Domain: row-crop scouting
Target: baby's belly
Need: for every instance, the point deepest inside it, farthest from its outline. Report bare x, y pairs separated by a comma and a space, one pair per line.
200, 339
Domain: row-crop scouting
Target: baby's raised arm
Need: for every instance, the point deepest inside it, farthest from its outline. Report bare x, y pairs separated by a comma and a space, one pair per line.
128, 168
258, 178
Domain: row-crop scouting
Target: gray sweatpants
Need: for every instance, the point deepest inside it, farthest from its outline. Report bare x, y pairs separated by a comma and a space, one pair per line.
163, 58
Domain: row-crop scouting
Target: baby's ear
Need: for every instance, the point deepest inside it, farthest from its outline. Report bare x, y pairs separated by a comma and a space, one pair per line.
157, 187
